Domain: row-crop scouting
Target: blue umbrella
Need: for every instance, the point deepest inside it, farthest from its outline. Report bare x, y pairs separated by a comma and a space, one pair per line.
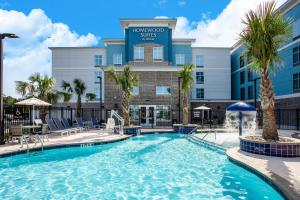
241, 106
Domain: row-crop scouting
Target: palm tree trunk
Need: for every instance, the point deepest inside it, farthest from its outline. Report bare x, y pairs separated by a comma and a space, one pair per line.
185, 109
268, 107
78, 112
125, 109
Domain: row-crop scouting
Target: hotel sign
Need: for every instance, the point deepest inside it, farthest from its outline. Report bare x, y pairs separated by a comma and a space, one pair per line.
148, 33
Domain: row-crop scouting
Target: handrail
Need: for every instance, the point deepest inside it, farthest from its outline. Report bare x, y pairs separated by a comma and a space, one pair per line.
26, 142
191, 132
209, 133
39, 138
120, 119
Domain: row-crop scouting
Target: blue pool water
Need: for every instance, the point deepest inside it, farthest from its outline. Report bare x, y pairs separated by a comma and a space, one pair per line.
157, 166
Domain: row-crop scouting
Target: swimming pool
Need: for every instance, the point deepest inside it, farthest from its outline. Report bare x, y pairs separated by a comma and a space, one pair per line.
155, 166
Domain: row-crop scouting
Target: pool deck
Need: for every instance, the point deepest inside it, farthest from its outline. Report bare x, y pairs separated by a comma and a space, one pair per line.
86, 137
283, 172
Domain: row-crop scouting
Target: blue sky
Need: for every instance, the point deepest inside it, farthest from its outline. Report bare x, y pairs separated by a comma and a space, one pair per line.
101, 17
46, 23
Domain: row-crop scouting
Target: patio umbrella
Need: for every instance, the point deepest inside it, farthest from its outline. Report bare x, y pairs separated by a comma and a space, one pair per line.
202, 108
33, 102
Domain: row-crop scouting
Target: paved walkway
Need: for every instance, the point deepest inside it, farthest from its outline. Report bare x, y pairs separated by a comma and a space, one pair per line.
284, 172
90, 136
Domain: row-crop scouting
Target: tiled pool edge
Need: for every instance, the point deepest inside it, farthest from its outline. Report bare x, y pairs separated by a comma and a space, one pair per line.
279, 183
63, 145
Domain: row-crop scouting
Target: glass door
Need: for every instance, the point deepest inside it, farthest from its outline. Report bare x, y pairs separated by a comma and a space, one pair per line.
148, 116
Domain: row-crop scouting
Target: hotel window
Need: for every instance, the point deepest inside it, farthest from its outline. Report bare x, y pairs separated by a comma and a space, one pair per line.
242, 94
136, 90
199, 77
199, 61
250, 75
163, 90
179, 58
134, 113
296, 29
242, 77
97, 92
242, 61
296, 83
200, 93
97, 74
98, 60
117, 59
163, 113
250, 92
296, 55
138, 53
157, 53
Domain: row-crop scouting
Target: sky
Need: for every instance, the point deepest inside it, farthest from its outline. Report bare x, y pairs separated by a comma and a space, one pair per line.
47, 23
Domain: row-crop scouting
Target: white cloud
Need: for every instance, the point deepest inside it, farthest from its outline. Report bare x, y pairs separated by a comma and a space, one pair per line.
181, 3
30, 52
221, 31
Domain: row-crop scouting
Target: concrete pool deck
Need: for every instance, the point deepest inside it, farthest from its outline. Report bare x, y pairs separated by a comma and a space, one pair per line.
86, 137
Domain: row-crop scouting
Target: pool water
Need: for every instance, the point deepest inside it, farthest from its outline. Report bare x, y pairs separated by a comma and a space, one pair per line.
156, 166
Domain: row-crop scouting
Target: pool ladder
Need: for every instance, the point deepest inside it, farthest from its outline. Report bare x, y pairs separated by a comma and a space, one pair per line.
37, 137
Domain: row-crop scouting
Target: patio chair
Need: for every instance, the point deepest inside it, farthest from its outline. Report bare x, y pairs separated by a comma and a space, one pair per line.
81, 123
54, 129
66, 124
60, 126
95, 122
16, 133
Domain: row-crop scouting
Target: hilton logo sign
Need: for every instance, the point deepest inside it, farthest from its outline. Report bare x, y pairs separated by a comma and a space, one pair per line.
148, 33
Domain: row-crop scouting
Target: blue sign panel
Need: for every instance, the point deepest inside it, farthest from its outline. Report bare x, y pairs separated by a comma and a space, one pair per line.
148, 35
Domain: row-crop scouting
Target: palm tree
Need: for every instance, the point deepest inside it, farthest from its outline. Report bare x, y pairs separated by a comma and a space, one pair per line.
90, 96
126, 80
187, 80
79, 88
41, 87
265, 30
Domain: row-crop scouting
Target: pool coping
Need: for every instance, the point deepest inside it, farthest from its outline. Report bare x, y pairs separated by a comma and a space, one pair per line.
62, 145
279, 183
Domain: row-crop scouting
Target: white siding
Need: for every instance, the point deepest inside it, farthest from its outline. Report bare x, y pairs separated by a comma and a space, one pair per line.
217, 73
71, 63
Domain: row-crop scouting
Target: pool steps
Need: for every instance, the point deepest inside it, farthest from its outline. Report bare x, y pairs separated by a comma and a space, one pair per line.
210, 145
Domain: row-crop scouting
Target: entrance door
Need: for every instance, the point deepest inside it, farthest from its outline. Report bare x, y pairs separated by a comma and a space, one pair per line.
148, 116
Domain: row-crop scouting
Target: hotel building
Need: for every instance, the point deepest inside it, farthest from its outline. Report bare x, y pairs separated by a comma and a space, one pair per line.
221, 75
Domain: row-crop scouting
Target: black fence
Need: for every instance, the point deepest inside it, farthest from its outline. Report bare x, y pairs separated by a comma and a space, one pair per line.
147, 117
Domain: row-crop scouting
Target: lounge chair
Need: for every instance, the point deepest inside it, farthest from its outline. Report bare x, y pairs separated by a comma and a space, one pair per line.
17, 134
66, 124
60, 126
95, 122
81, 123
54, 129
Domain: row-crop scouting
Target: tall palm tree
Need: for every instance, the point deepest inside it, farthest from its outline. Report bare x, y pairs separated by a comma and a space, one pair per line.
79, 89
126, 80
265, 30
41, 87
187, 80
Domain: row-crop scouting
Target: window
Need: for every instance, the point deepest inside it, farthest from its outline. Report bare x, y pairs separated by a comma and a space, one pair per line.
179, 59
250, 75
242, 77
250, 92
199, 61
98, 60
138, 53
117, 59
97, 92
163, 113
163, 90
136, 90
97, 74
199, 77
296, 28
242, 61
200, 93
134, 113
242, 94
296, 55
296, 82
157, 53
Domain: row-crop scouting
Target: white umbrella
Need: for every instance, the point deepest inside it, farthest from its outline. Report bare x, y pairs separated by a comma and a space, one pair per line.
33, 102
202, 108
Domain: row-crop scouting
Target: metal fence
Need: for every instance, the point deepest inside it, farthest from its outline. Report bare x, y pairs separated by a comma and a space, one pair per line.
15, 115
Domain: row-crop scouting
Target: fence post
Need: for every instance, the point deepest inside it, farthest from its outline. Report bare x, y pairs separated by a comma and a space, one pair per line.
71, 117
61, 112
279, 114
297, 119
